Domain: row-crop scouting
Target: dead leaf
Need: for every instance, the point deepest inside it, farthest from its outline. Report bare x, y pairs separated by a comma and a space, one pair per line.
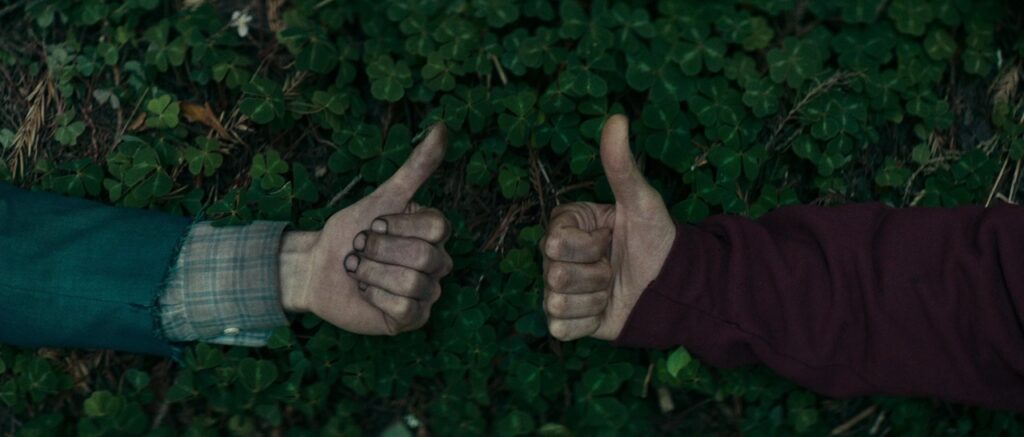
203, 115
139, 123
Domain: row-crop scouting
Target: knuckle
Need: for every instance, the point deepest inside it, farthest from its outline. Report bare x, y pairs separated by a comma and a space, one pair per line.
405, 311
447, 264
557, 277
557, 305
417, 284
425, 256
438, 225
559, 330
434, 295
552, 244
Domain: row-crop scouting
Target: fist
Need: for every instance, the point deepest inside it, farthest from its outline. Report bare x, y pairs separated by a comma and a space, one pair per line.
399, 263
598, 258
375, 267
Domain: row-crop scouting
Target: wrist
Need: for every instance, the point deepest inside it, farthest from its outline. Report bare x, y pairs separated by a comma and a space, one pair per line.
295, 269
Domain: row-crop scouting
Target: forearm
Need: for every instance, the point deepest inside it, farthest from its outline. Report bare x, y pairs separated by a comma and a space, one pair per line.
75, 273
860, 299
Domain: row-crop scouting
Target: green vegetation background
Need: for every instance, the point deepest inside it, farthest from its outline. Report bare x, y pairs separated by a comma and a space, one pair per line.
738, 106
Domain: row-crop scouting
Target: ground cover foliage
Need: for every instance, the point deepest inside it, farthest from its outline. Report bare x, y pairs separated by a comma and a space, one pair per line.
738, 106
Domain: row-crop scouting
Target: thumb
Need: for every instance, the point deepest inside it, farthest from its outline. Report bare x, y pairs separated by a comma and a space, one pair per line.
425, 158
627, 182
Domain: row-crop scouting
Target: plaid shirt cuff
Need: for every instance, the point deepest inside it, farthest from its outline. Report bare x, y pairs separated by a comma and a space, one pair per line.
224, 287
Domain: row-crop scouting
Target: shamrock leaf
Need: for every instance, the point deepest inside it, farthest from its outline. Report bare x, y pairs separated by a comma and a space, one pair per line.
256, 375
263, 101
457, 38
561, 132
691, 210
78, 178
497, 12
939, 45
752, 32
698, 49
388, 79
103, 403
268, 169
303, 186
361, 140
514, 181
160, 53
678, 359
163, 112
631, 26
728, 162
892, 175
205, 159
669, 141
864, 49
394, 151
541, 51
67, 134
911, 16
6, 139
312, 50
582, 79
520, 122
797, 61
438, 73
467, 104
860, 11
716, 103
762, 96
581, 156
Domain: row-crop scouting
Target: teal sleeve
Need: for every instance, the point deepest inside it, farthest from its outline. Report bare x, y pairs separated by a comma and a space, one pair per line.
75, 273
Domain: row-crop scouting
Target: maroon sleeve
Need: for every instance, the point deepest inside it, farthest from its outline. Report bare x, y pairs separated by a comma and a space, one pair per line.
851, 300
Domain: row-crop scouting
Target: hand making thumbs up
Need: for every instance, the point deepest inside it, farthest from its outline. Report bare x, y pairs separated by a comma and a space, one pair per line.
599, 258
375, 267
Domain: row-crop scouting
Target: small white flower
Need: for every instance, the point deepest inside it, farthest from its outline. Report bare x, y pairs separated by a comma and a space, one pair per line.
412, 421
240, 21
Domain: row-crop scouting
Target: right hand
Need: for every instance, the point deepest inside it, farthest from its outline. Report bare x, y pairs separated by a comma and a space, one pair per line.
599, 258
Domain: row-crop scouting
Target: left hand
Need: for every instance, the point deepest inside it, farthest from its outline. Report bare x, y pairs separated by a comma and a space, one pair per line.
375, 267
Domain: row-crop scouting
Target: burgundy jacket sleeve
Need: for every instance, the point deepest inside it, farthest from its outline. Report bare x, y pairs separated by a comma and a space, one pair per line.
851, 300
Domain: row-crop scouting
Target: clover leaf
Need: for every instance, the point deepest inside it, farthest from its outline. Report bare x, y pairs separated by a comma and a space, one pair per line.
498, 13
205, 159
67, 134
911, 16
864, 49
388, 79
939, 45
762, 96
78, 177
669, 140
467, 105
860, 11
256, 375
514, 181
797, 61
263, 101
518, 125
439, 73
269, 169
697, 50
163, 112
312, 49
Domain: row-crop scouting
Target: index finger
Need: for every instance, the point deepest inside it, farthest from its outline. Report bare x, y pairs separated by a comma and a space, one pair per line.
570, 244
427, 224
